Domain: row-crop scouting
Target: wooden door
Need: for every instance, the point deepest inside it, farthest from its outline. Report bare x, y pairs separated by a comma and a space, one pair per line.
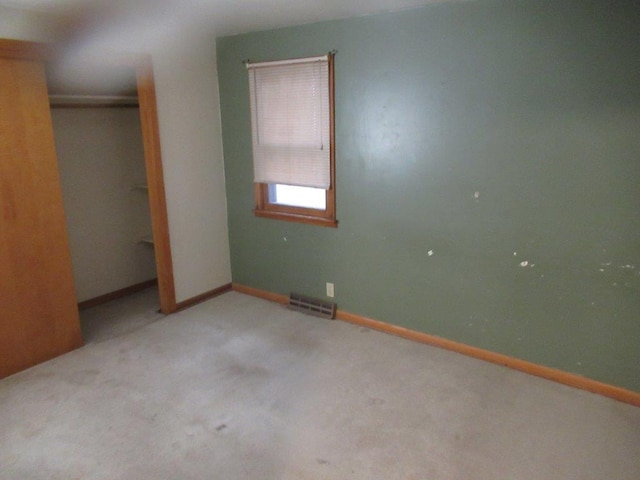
38, 310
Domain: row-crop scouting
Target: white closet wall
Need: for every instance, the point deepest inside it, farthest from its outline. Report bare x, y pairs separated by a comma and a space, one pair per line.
101, 165
21, 24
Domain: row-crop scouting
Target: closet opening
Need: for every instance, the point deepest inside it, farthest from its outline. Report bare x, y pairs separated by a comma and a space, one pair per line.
105, 131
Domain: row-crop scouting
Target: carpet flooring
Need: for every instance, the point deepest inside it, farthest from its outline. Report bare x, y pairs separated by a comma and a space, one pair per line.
120, 317
240, 388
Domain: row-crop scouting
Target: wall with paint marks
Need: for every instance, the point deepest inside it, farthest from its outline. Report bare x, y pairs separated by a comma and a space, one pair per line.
488, 177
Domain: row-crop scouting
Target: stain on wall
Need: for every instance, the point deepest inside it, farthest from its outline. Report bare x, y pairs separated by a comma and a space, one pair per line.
488, 177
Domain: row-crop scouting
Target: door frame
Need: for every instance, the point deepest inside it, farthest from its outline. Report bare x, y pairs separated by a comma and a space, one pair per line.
24, 50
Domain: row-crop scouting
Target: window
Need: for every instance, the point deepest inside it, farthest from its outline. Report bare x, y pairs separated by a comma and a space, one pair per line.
292, 131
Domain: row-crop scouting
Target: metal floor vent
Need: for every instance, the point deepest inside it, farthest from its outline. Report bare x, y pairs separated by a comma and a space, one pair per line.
312, 306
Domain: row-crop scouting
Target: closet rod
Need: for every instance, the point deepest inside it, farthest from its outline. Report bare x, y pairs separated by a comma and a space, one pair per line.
90, 101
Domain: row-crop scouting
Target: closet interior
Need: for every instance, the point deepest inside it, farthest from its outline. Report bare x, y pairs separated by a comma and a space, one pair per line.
99, 146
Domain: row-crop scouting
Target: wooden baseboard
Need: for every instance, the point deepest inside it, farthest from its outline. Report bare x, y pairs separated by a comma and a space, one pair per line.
123, 292
190, 302
559, 376
256, 292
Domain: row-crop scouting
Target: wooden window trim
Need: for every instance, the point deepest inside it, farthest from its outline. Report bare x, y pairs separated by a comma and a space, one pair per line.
325, 218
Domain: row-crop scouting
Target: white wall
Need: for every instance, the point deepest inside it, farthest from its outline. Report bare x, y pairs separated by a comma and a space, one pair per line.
23, 25
191, 141
100, 159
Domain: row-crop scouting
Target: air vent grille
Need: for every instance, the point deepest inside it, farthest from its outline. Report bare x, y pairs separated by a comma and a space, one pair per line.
312, 306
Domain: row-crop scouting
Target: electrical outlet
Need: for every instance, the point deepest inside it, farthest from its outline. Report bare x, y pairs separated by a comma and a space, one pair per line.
329, 289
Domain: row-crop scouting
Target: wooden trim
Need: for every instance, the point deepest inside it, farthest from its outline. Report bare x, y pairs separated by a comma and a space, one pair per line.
256, 292
123, 292
190, 302
292, 217
548, 373
155, 181
331, 193
324, 218
23, 50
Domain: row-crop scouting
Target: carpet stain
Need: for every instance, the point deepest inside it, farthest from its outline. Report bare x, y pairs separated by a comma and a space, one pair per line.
376, 401
322, 461
220, 428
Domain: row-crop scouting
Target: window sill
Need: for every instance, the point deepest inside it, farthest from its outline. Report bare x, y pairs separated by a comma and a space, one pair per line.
298, 218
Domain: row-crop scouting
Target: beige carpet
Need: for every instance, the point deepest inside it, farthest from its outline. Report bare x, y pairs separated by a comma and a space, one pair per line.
239, 388
121, 317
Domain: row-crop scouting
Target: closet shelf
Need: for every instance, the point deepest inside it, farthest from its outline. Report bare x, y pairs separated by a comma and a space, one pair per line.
140, 186
147, 240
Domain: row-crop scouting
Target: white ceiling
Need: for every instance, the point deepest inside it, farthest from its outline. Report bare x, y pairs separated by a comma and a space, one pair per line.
80, 28
223, 17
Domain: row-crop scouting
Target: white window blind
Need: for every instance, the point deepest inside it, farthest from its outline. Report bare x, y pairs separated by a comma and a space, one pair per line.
290, 122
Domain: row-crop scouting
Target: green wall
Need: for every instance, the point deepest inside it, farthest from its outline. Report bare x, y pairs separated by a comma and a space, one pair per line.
533, 107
